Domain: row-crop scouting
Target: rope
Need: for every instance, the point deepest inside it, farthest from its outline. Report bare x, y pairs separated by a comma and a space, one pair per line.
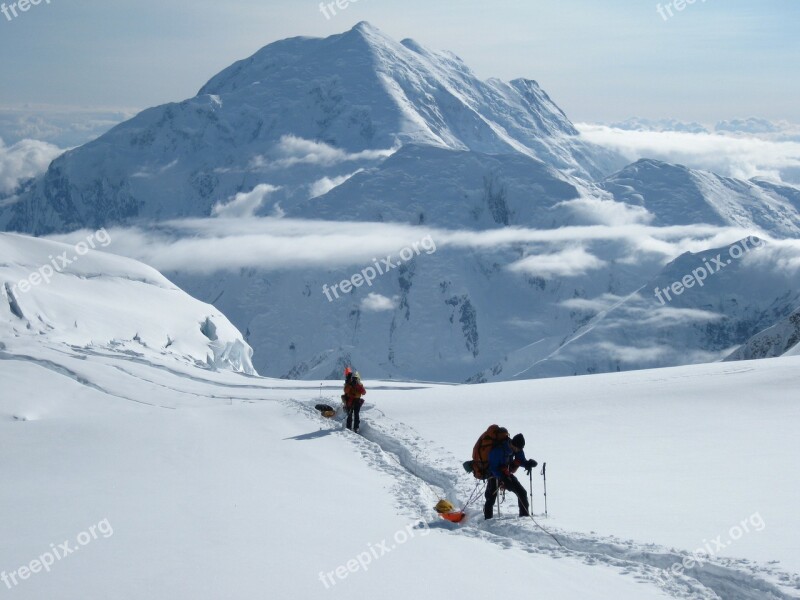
532, 519
473, 497
545, 530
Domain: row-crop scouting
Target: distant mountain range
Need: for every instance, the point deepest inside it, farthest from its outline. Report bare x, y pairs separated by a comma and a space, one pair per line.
358, 129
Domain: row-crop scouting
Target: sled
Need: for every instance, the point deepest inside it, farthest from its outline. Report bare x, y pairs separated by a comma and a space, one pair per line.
326, 411
448, 512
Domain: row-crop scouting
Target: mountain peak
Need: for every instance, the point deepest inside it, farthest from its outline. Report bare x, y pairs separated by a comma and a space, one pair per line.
369, 33
364, 27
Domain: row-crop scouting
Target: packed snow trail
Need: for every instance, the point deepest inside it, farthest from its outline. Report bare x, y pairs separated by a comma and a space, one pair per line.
391, 445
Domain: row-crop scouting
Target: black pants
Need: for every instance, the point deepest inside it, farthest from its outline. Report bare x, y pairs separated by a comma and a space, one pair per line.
353, 417
512, 485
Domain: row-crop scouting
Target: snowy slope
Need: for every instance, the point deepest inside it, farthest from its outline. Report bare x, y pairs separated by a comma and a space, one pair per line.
781, 339
678, 455
216, 484
237, 492
108, 302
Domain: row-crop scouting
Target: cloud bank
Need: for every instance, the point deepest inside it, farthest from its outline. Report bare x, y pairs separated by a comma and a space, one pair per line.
737, 156
269, 243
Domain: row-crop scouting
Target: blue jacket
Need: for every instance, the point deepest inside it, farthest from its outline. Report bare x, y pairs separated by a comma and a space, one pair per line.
503, 457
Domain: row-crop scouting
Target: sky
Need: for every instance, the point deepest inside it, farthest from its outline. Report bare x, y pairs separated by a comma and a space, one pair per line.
600, 60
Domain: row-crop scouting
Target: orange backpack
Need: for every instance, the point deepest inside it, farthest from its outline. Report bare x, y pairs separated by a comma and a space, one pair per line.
480, 452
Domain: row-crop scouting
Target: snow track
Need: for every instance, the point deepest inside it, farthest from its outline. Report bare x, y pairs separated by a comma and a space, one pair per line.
423, 471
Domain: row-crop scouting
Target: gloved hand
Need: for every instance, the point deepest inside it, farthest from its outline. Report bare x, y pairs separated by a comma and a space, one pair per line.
530, 465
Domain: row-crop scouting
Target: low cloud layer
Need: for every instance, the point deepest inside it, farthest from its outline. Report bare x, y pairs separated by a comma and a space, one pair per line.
220, 244
740, 156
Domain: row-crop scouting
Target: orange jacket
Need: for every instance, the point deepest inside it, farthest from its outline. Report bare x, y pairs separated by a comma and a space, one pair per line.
353, 392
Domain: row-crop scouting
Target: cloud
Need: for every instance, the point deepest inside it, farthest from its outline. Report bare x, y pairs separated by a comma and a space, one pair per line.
737, 156
606, 212
23, 160
635, 354
63, 126
668, 316
377, 303
147, 173
567, 263
601, 303
291, 150
326, 184
781, 255
245, 204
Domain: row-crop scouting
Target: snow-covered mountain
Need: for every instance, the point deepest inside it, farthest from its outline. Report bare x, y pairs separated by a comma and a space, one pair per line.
750, 126
782, 339
297, 111
677, 195
725, 301
643, 124
428, 185
107, 304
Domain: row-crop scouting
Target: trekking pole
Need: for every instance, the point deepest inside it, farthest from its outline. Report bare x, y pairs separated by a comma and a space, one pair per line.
530, 481
544, 475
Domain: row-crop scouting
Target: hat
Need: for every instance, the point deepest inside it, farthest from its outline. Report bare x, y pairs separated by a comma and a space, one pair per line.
518, 441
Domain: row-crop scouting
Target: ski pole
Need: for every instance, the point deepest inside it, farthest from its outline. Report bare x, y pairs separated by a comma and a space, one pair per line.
544, 475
